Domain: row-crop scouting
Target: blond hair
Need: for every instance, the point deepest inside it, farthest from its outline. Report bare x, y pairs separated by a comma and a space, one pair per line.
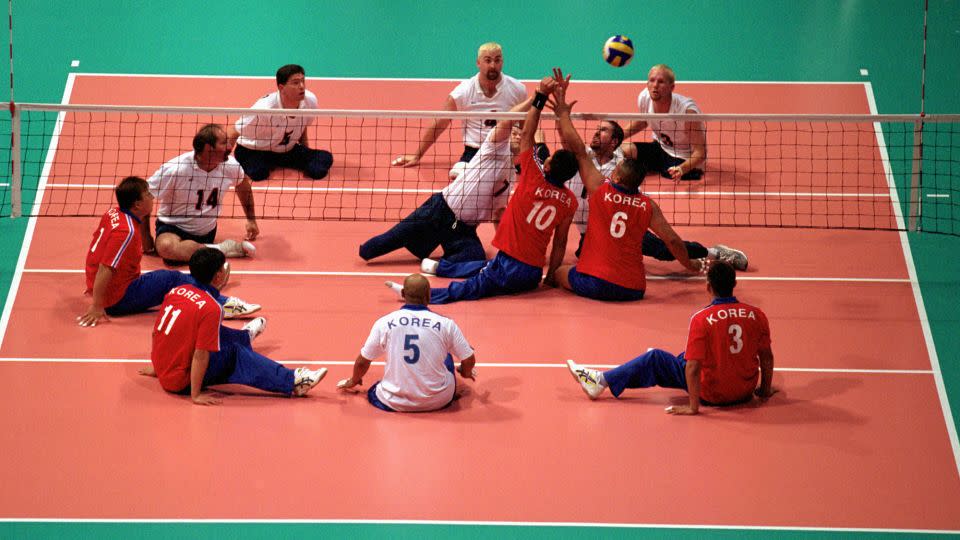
489, 46
667, 70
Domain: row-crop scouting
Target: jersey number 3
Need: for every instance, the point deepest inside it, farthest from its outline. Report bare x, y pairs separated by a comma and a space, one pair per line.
736, 334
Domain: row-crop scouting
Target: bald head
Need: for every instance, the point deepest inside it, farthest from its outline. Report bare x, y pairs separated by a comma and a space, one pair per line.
416, 290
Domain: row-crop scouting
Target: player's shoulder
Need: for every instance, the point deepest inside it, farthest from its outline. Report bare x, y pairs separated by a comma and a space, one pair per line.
268, 101
310, 100
685, 104
513, 84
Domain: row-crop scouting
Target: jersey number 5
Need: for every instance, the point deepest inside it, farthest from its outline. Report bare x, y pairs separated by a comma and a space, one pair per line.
212, 200
410, 344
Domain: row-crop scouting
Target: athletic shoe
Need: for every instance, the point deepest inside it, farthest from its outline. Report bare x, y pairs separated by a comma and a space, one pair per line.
255, 327
734, 257
429, 266
233, 248
589, 379
304, 379
236, 308
395, 287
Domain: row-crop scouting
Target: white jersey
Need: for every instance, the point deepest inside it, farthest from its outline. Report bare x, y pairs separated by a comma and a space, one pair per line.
274, 133
189, 197
672, 135
416, 342
484, 185
469, 97
576, 186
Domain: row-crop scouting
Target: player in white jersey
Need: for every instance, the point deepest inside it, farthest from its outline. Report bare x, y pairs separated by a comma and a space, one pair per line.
189, 190
488, 90
266, 142
418, 344
450, 218
679, 149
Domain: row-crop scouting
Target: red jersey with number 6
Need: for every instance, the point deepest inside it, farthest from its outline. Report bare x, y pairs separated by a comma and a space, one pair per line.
189, 319
613, 247
726, 337
115, 243
533, 213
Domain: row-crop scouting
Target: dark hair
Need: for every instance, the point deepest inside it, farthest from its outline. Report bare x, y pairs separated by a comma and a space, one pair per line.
287, 71
130, 190
617, 132
205, 263
563, 166
632, 172
722, 278
207, 135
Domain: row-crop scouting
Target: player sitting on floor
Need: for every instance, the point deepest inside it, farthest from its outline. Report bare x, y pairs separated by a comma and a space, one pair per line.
418, 344
113, 273
192, 350
728, 352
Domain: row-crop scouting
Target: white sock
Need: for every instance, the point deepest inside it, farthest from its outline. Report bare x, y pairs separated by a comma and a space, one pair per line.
601, 381
712, 253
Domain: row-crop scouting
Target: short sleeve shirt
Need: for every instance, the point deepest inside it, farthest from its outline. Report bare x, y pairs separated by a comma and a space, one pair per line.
671, 134
115, 243
189, 319
275, 133
470, 97
189, 197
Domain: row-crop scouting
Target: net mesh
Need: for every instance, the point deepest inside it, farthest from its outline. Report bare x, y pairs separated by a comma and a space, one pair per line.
842, 172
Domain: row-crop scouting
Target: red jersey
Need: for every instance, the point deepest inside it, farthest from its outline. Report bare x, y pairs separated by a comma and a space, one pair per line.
115, 243
725, 337
613, 247
189, 319
533, 213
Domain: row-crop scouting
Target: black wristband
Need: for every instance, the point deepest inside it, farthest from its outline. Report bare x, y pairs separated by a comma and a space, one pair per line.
539, 100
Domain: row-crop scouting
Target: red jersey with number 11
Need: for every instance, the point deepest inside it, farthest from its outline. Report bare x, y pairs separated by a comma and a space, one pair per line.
189, 319
533, 213
726, 337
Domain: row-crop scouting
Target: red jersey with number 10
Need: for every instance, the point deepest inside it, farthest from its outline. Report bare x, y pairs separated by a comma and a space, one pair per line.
115, 243
726, 337
613, 247
533, 213
189, 319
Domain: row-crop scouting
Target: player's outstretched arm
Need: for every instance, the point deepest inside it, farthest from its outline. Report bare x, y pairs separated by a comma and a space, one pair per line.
558, 250
146, 237
532, 121
245, 195
698, 141
96, 312
466, 368
430, 136
766, 389
661, 227
198, 368
360, 367
693, 391
592, 178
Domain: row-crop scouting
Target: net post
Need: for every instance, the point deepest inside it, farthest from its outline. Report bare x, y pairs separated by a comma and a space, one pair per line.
16, 209
916, 177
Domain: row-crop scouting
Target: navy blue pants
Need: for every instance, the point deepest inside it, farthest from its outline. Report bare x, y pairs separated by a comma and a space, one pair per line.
237, 363
257, 164
652, 368
148, 290
653, 157
654, 247
375, 401
499, 276
600, 289
432, 224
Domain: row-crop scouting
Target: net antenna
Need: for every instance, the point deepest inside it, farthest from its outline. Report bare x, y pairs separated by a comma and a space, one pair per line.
916, 178
15, 175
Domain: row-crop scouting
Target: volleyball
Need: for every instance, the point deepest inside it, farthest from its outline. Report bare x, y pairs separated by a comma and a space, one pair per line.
618, 50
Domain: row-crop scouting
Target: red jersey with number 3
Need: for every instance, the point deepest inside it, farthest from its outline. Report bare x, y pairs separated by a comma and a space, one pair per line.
115, 243
613, 247
189, 319
726, 337
533, 213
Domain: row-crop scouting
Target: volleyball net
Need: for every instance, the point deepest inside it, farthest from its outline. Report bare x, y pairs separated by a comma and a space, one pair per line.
873, 172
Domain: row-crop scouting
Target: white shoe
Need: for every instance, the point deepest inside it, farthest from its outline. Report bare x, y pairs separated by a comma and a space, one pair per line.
236, 308
429, 266
733, 257
305, 379
255, 327
395, 287
589, 379
234, 248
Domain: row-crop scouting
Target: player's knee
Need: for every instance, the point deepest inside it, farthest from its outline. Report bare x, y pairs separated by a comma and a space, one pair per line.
319, 164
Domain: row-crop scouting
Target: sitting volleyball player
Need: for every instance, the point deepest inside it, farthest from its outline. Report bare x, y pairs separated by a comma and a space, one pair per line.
728, 353
418, 343
450, 217
114, 281
607, 151
192, 350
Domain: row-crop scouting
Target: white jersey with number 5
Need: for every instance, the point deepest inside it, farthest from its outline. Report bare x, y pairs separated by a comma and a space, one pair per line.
189, 197
416, 342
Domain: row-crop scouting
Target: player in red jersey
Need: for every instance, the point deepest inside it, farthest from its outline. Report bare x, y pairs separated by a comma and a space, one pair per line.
611, 262
192, 350
540, 208
113, 273
728, 353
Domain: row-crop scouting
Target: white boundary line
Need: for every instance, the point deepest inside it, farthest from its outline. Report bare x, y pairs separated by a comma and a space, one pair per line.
915, 285
174, 521
32, 223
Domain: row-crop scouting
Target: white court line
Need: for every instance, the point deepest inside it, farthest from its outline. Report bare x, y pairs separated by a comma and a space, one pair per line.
320, 273
32, 223
915, 285
938, 195
551, 365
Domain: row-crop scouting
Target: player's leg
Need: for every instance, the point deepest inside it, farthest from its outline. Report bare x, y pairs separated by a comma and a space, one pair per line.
562, 276
463, 254
237, 363
175, 245
256, 164
375, 400
654, 247
502, 275
313, 163
148, 290
655, 367
600, 289
416, 232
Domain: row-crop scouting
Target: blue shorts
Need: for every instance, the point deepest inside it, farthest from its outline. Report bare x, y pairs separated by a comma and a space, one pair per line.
601, 289
654, 158
207, 238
